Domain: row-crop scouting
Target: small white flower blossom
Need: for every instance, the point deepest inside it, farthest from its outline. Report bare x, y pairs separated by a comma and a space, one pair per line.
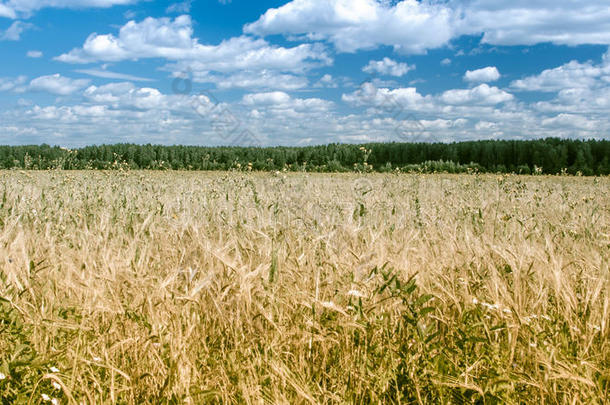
490, 306
475, 301
46, 398
355, 293
97, 359
2, 376
55, 401
56, 385
54, 369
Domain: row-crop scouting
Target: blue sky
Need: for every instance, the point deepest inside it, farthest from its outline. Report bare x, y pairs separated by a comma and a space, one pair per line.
210, 72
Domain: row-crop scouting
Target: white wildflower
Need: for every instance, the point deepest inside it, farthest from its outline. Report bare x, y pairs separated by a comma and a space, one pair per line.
97, 359
2, 376
533, 345
490, 306
355, 293
475, 301
55, 401
54, 369
46, 398
56, 385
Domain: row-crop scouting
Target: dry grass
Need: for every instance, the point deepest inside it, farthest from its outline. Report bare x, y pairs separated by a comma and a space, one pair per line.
256, 288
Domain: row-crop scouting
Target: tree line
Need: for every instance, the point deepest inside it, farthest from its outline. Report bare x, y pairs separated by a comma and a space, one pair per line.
543, 156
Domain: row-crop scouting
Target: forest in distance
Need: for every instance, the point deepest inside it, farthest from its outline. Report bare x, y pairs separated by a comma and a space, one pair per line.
544, 156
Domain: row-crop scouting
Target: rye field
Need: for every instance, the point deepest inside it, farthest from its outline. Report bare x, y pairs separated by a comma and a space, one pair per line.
181, 287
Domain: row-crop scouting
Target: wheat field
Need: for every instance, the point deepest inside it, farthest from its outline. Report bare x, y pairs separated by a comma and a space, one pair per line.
181, 287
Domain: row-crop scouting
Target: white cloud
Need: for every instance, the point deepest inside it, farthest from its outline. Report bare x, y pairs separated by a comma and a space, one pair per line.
412, 26
571, 75
401, 101
480, 95
326, 81
387, 66
484, 75
173, 40
12, 84
240, 62
446, 62
183, 7
57, 84
271, 98
24, 8
283, 101
582, 97
13, 33
126, 95
34, 54
263, 79
524, 22
369, 94
563, 121
6, 11
106, 74
123, 112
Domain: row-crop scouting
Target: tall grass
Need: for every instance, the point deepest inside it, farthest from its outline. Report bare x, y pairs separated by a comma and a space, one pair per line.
162, 287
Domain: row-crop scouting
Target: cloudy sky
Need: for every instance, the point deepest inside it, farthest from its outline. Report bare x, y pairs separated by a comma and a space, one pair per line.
220, 72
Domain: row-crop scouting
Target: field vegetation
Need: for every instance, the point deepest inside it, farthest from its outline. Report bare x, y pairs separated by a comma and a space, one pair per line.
186, 287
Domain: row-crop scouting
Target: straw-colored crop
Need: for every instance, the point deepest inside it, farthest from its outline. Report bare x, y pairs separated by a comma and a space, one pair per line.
174, 287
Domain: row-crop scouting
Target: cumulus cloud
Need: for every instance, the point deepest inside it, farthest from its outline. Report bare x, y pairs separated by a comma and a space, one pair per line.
127, 95
326, 81
124, 112
581, 88
57, 84
409, 26
484, 75
106, 74
25, 8
283, 101
401, 101
480, 95
34, 54
12, 84
388, 67
523, 22
13, 33
263, 79
182, 7
173, 40
571, 75
391, 99
6, 11
412, 26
